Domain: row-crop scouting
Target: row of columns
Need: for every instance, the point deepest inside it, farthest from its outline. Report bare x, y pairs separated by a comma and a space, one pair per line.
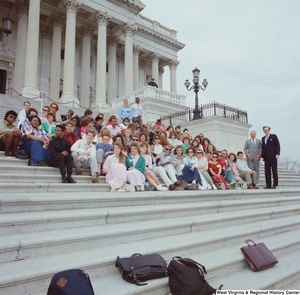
28, 36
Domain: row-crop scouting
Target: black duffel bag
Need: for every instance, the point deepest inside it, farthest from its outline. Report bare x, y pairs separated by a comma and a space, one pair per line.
139, 268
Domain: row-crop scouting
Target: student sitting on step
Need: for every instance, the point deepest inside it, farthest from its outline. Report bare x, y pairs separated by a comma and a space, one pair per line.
84, 155
9, 134
36, 141
60, 155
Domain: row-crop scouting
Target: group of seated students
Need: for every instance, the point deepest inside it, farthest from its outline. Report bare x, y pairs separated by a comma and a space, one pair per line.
127, 153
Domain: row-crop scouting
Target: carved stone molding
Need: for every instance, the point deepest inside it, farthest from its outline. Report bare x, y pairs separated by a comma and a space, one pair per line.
161, 71
120, 57
155, 57
86, 31
102, 18
72, 5
78, 43
22, 6
173, 64
112, 40
46, 33
4, 63
129, 29
142, 64
57, 20
137, 50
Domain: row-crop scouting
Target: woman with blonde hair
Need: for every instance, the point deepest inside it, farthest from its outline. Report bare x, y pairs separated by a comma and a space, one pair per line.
115, 169
105, 131
150, 176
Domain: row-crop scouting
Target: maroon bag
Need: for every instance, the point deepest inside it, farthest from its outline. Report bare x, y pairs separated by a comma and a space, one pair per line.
258, 256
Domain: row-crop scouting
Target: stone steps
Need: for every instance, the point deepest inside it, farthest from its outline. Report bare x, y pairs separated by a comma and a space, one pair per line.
11, 223
47, 226
220, 253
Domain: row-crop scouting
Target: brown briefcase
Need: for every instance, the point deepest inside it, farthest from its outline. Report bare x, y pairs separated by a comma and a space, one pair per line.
258, 256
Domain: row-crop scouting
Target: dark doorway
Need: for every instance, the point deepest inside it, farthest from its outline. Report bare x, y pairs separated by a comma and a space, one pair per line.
2, 81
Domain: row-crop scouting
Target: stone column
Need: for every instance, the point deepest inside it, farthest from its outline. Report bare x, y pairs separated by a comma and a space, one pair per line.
87, 32
155, 60
78, 72
142, 80
160, 81
32, 51
102, 19
128, 33
72, 6
136, 52
45, 59
173, 79
112, 42
58, 22
22, 8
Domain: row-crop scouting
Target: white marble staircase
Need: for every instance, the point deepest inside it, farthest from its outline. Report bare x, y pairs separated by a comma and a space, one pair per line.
46, 227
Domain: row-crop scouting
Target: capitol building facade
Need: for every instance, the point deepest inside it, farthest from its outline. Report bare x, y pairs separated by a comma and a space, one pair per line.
87, 52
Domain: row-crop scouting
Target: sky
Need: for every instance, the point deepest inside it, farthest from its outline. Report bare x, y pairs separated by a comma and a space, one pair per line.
249, 52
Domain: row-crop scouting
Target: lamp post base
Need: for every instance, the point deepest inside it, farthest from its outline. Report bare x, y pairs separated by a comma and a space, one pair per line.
197, 114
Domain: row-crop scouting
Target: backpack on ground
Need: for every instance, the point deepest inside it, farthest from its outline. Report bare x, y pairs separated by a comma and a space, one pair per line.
71, 282
186, 277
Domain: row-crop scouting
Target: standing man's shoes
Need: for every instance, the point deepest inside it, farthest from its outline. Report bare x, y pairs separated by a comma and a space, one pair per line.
267, 187
273, 187
70, 180
64, 179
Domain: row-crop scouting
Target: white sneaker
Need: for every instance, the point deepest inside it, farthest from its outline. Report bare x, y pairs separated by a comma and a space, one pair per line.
200, 187
214, 186
194, 181
161, 188
209, 187
113, 190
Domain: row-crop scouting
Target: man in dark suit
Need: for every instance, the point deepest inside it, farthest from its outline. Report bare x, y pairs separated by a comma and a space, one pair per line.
270, 153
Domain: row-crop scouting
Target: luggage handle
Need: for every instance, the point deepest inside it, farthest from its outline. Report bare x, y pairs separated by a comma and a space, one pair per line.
249, 240
136, 254
189, 261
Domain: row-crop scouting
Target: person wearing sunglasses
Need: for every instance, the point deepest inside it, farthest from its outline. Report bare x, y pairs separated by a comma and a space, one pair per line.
215, 170
46, 110
54, 108
169, 162
9, 134
190, 172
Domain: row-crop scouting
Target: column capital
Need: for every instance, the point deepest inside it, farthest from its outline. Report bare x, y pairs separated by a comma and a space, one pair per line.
173, 64
22, 6
120, 57
102, 18
73, 5
86, 31
155, 57
112, 40
129, 29
142, 64
46, 33
161, 70
137, 50
57, 20
77, 43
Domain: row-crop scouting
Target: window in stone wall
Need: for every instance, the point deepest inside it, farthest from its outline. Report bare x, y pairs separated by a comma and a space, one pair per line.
62, 54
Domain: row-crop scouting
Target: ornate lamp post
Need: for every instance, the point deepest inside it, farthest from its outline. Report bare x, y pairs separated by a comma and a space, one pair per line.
196, 87
7, 24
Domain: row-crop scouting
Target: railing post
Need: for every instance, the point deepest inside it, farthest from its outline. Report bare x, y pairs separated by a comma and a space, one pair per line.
215, 109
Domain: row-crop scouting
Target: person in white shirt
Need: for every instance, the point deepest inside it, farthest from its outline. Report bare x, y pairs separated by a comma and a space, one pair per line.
245, 172
23, 115
84, 155
113, 127
137, 111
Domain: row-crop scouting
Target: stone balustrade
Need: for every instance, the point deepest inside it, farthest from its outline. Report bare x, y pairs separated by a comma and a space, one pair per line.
156, 26
150, 92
